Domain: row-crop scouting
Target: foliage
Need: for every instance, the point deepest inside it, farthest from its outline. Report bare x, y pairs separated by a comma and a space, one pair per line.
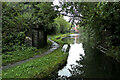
21, 53
19, 18
12, 41
99, 21
14, 17
114, 52
38, 68
14, 21
44, 14
62, 25
103, 25
58, 38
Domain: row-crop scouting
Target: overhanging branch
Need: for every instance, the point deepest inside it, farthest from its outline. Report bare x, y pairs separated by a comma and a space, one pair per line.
73, 16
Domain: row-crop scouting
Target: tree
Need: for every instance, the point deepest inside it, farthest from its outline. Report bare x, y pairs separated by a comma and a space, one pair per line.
100, 19
62, 25
42, 18
14, 24
100, 22
19, 18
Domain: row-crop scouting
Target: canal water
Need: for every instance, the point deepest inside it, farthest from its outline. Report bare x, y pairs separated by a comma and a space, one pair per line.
86, 62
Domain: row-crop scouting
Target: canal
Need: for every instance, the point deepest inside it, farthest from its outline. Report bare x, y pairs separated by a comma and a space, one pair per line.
86, 62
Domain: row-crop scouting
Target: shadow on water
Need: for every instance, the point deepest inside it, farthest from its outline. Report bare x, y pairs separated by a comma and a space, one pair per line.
85, 62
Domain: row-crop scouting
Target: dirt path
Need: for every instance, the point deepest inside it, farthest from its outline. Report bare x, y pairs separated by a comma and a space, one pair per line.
53, 47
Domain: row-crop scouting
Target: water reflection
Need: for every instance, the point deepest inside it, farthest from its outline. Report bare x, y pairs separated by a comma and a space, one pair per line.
84, 61
98, 65
76, 53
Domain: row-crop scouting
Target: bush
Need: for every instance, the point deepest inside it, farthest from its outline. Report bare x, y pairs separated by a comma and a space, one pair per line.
12, 41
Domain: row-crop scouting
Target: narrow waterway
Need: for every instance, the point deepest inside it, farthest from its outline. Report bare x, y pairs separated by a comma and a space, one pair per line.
84, 61
76, 53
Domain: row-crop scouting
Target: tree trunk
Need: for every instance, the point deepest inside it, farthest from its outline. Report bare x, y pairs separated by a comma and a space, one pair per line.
42, 38
45, 37
39, 38
35, 38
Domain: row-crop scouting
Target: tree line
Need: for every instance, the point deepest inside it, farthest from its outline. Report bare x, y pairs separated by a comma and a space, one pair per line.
30, 19
99, 21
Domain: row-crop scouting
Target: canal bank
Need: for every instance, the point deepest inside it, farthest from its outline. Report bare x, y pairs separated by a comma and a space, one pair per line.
42, 67
87, 62
83, 61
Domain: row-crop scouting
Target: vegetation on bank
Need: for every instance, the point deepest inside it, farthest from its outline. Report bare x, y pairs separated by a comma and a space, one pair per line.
41, 67
32, 22
38, 68
58, 38
22, 53
100, 23
21, 20
114, 52
28, 23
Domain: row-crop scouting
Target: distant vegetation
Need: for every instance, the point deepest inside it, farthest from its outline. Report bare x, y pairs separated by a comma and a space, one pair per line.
100, 22
21, 20
43, 67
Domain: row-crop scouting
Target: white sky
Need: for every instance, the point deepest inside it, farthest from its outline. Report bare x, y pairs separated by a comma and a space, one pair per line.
56, 2
66, 18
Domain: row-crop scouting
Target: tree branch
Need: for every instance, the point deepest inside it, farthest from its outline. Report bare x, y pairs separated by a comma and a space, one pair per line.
73, 16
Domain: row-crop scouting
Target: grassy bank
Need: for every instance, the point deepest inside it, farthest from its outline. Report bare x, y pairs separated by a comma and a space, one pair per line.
113, 51
38, 68
22, 54
41, 67
58, 38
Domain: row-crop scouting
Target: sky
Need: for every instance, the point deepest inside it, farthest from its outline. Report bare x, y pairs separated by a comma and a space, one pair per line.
56, 2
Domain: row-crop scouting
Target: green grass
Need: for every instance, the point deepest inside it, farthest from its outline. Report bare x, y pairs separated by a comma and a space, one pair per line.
58, 38
42, 67
22, 54
38, 68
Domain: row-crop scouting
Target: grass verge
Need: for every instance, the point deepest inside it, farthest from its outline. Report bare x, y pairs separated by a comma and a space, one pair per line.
38, 68
41, 67
22, 54
58, 38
